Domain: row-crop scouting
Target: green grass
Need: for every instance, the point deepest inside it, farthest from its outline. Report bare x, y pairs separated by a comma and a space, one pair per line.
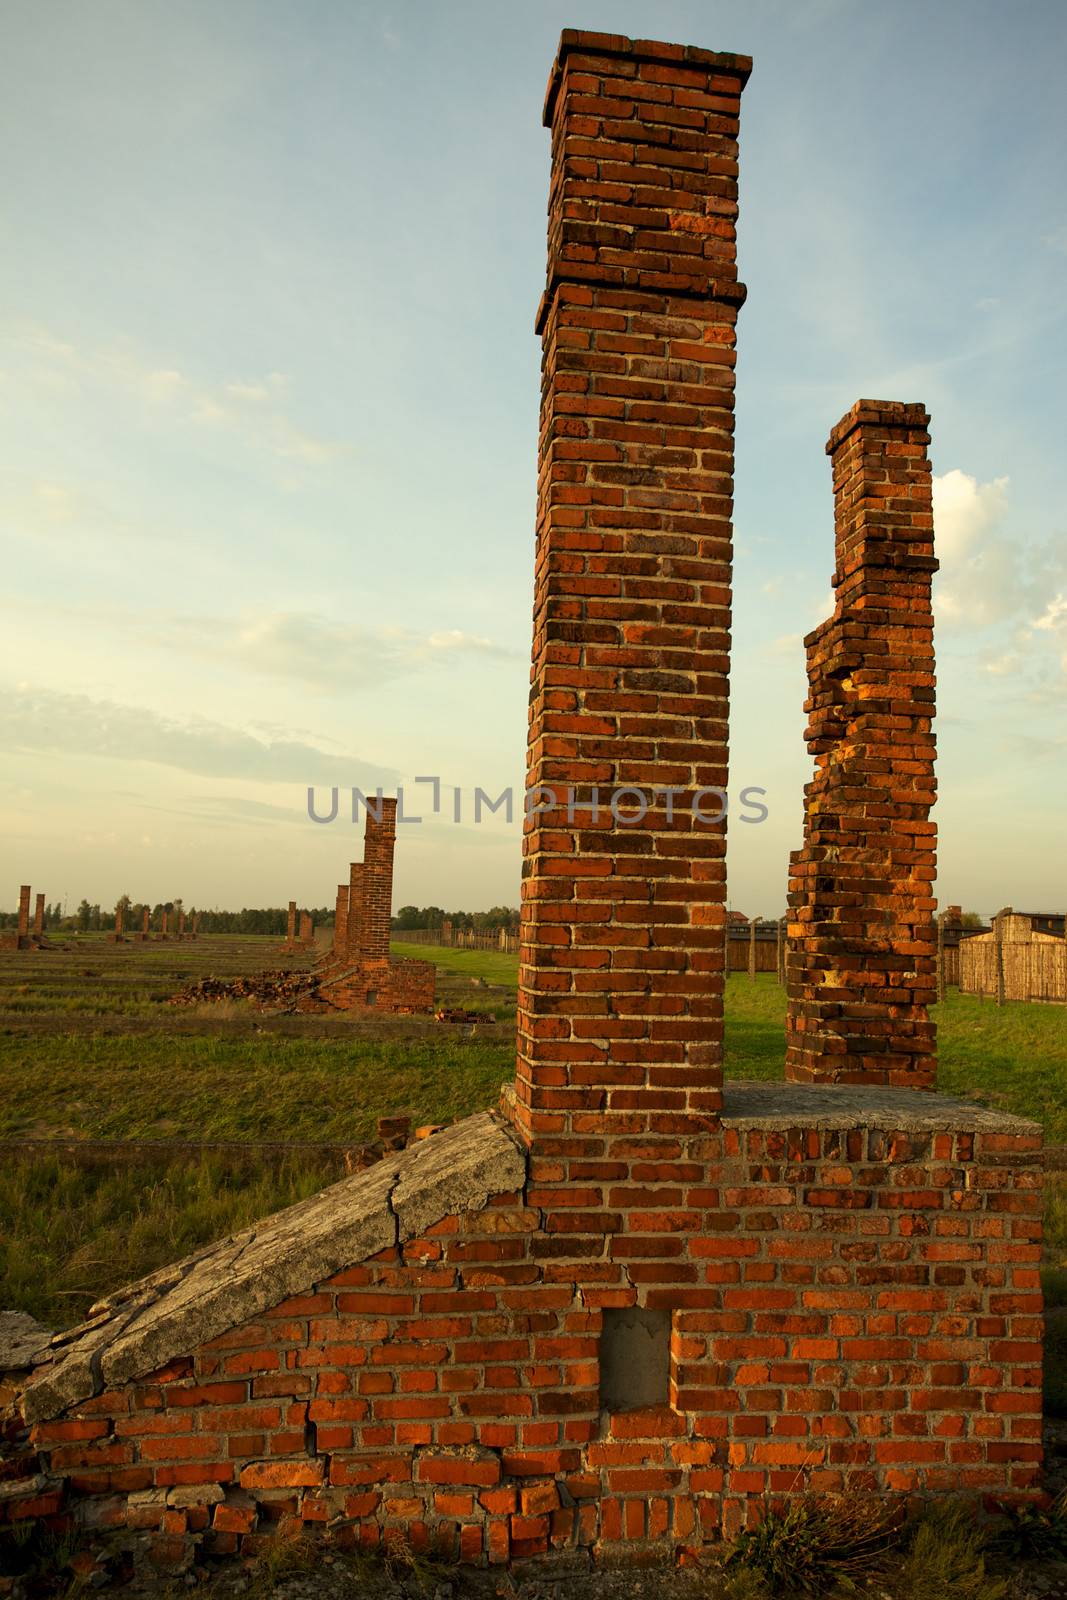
1012, 1058
272, 1087
489, 965
70, 1233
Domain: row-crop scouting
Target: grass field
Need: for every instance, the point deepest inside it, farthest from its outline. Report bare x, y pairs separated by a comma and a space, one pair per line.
89, 1050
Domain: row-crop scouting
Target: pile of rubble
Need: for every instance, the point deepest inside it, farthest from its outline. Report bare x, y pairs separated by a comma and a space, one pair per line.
293, 990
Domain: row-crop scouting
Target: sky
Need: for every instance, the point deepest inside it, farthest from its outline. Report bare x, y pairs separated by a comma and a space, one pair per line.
268, 419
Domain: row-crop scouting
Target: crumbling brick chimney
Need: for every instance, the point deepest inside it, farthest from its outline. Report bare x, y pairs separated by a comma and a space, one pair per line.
24, 913
340, 919
861, 966
354, 920
38, 917
622, 942
362, 974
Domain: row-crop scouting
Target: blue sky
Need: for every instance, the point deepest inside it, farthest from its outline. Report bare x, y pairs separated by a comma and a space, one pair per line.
268, 397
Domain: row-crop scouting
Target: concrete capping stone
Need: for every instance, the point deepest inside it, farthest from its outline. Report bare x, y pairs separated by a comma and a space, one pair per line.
170, 1313
750, 1104
23, 1341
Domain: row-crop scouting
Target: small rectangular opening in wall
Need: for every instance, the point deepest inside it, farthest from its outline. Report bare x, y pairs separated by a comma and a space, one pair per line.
372, 996
635, 1359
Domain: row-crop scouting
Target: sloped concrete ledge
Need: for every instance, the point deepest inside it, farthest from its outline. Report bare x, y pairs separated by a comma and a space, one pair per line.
751, 1104
170, 1313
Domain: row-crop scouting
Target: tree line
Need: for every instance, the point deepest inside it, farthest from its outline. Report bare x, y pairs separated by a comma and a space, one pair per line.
435, 916
89, 917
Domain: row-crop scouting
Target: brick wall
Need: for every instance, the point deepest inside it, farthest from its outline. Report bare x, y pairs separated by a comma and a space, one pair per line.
862, 1310
861, 967
384, 986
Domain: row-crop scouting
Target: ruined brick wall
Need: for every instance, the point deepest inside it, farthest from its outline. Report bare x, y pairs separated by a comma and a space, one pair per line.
842, 1282
861, 967
388, 985
863, 1310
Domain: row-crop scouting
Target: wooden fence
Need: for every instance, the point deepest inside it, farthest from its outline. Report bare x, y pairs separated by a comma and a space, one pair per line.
502, 940
506, 940
1032, 969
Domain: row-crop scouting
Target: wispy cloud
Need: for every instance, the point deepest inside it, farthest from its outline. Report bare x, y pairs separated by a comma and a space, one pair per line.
319, 651
45, 721
255, 410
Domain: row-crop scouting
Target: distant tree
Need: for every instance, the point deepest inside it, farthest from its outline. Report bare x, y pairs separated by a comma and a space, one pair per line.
83, 916
972, 919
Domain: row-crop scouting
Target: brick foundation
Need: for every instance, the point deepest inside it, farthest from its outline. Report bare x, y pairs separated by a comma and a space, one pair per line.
860, 1310
861, 966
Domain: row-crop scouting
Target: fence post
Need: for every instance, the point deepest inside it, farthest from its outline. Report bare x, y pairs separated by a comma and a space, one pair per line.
779, 959
941, 956
752, 949
998, 945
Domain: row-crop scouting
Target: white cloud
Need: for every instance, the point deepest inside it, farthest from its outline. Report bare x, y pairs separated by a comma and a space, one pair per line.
990, 572
44, 721
1055, 615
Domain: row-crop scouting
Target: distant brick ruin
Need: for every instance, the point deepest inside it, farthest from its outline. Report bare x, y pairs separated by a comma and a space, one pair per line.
617, 1316
300, 931
23, 937
861, 967
360, 974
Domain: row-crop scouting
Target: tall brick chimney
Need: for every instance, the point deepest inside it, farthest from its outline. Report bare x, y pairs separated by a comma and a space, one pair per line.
622, 937
379, 844
24, 912
861, 968
38, 915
